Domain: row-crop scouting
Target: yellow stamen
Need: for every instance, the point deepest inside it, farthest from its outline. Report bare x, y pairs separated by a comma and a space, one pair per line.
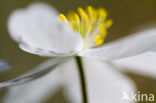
77, 18
92, 13
88, 22
71, 16
104, 33
99, 42
97, 37
109, 22
62, 17
102, 27
89, 27
90, 10
102, 13
83, 14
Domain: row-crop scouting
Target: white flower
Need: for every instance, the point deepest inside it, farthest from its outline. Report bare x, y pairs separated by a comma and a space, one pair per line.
38, 31
4, 65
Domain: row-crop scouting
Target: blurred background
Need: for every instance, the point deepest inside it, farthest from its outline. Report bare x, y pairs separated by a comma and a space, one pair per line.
127, 15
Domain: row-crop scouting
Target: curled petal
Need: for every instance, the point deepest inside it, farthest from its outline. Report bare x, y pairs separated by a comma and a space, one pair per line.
129, 46
38, 31
36, 91
39, 71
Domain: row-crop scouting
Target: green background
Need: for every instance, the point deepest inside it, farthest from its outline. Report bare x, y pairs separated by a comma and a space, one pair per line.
127, 15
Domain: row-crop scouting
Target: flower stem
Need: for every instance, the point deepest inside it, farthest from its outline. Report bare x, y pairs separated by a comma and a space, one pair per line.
82, 79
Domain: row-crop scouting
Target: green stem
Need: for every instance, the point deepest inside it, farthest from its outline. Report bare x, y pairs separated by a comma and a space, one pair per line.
82, 79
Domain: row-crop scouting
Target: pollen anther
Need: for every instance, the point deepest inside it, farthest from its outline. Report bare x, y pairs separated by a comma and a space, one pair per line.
99, 42
77, 18
89, 27
62, 17
97, 37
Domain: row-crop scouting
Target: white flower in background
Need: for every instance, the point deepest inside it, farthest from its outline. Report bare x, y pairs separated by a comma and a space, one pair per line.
4, 65
38, 31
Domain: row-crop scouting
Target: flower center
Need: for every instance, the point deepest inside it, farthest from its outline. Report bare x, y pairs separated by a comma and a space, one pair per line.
90, 23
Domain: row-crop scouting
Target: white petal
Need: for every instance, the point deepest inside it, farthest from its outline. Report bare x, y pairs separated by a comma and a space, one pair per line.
128, 46
105, 85
35, 91
38, 31
144, 64
154, 49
